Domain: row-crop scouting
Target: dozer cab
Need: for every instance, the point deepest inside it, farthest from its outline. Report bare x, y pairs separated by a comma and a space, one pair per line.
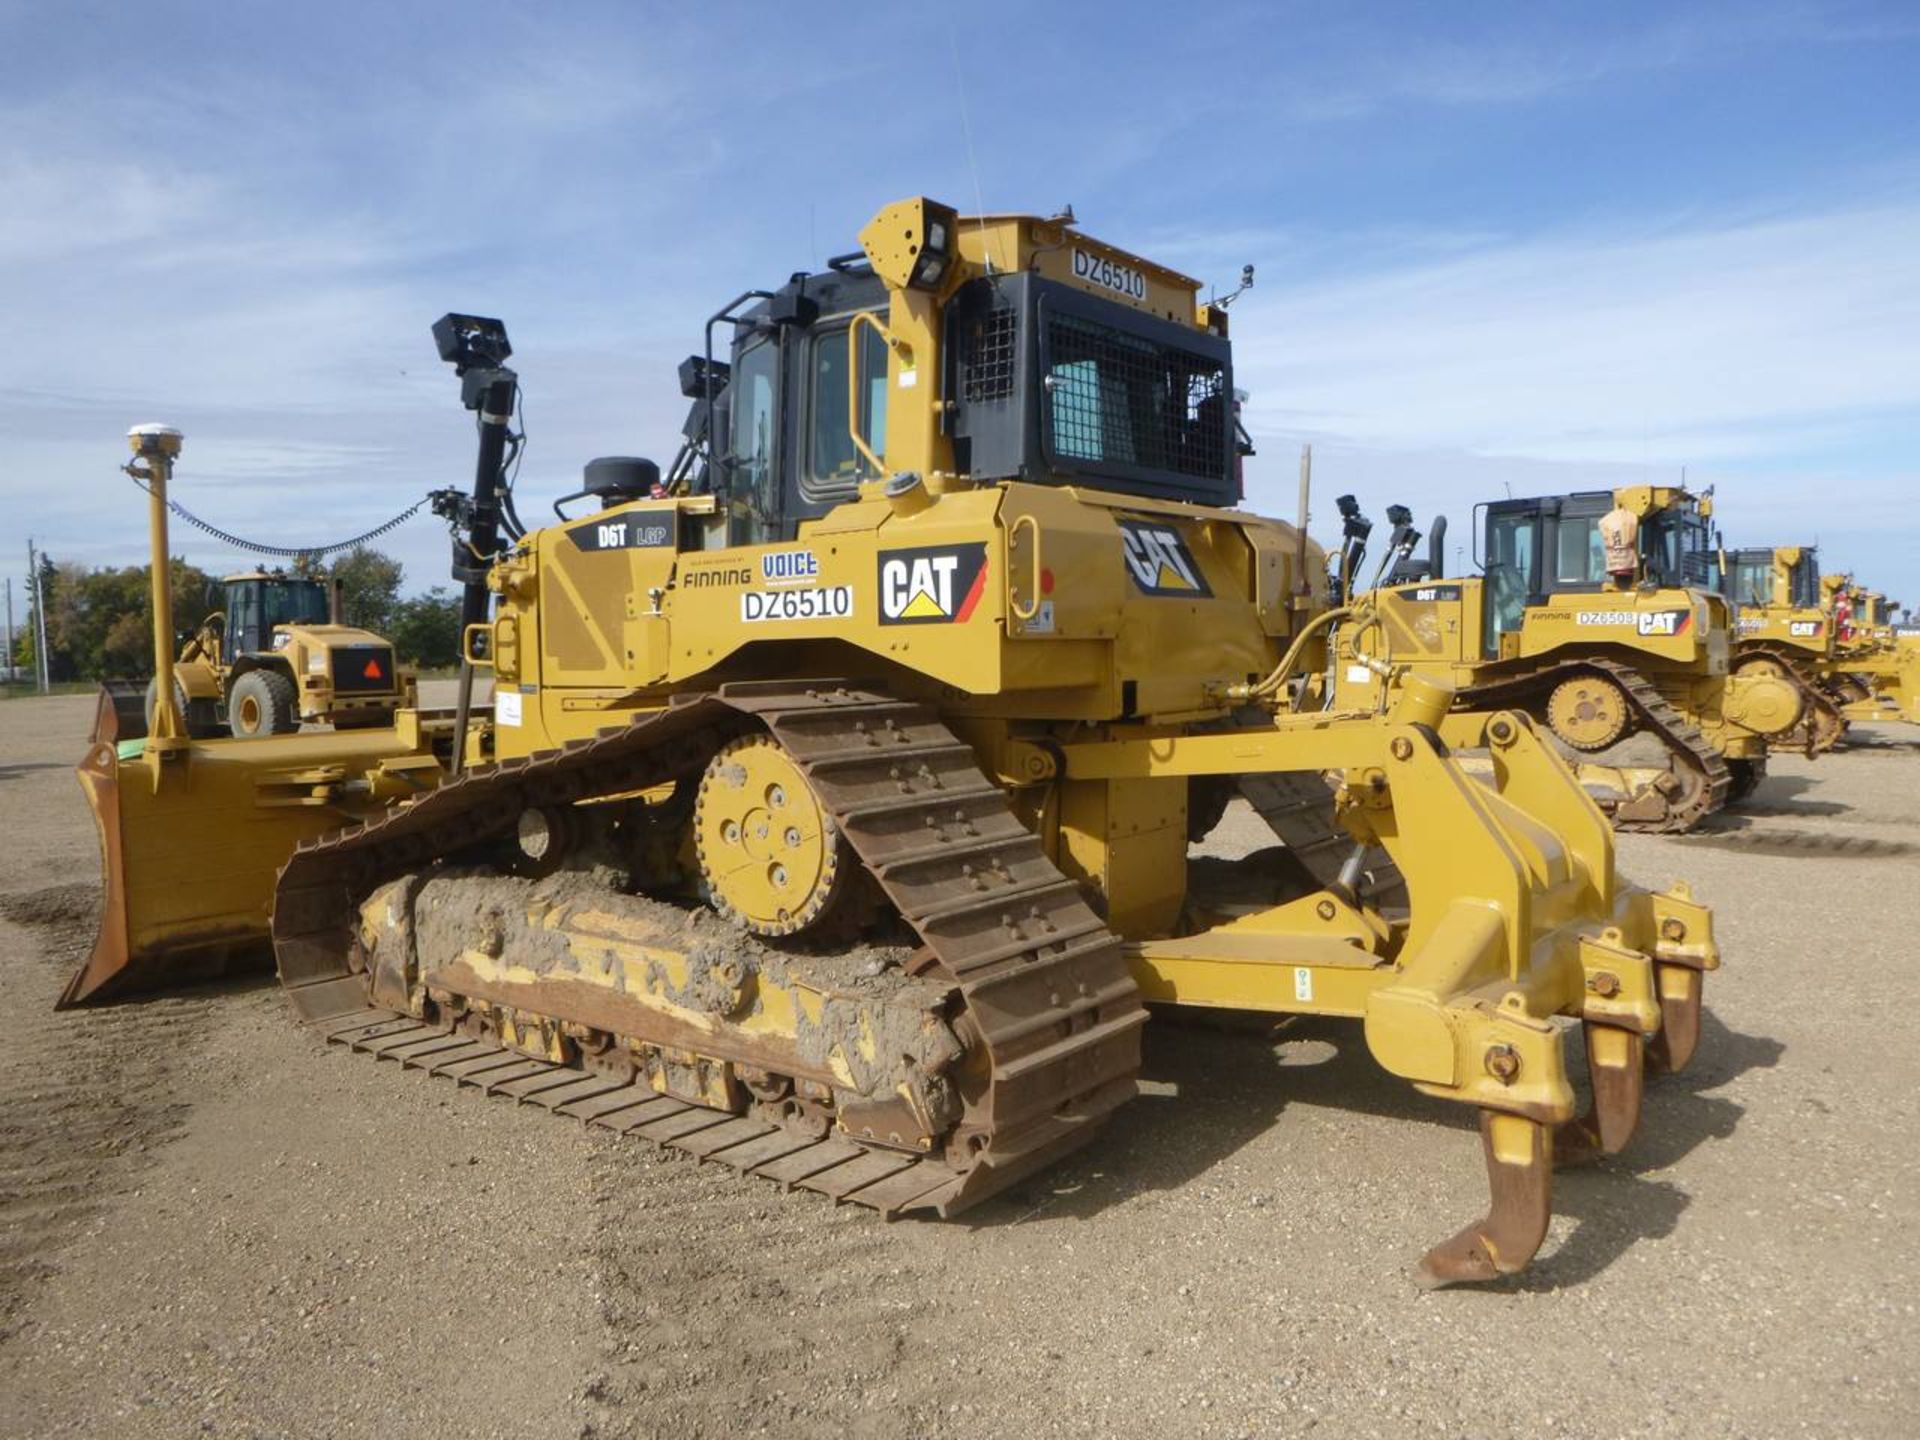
833, 813
1594, 614
1780, 611
273, 656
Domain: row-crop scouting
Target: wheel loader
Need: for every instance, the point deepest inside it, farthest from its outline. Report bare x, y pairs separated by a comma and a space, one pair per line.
273, 656
831, 815
1594, 614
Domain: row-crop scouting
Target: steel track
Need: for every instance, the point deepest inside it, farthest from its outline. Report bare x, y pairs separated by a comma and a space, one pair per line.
1824, 725
1046, 996
1687, 748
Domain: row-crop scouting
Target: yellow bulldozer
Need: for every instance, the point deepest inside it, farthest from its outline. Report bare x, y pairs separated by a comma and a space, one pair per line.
1875, 664
832, 815
1596, 615
1836, 635
276, 655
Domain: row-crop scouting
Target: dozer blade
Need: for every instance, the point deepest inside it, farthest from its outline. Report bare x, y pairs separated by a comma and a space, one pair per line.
122, 713
190, 843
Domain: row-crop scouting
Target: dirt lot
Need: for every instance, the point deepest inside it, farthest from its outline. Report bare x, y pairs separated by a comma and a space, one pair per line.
210, 1224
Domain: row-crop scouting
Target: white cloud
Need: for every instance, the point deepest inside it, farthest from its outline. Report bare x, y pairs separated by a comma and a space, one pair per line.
1709, 342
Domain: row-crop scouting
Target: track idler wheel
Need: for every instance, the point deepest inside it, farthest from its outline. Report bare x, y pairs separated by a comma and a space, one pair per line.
1519, 1156
1616, 1065
771, 856
1679, 1037
1589, 712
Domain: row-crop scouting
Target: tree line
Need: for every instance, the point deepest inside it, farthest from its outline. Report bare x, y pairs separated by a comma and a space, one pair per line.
100, 621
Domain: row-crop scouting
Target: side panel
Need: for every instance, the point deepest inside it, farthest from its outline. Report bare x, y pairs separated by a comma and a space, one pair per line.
1427, 622
1039, 601
1683, 628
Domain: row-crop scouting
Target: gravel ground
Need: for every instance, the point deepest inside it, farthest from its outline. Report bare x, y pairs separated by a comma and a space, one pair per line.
210, 1224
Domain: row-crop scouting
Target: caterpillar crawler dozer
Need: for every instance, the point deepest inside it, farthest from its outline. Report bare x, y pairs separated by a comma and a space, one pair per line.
273, 656
1837, 636
1874, 668
1595, 615
1781, 612
1782, 623
832, 816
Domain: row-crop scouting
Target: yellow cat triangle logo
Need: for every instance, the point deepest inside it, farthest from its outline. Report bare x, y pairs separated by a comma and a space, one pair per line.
923, 607
1171, 579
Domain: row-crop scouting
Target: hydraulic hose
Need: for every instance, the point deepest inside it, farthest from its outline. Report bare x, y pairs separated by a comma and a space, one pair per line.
1284, 669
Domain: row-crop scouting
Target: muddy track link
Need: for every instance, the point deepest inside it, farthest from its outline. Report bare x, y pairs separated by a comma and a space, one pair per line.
1686, 746
1046, 992
1824, 726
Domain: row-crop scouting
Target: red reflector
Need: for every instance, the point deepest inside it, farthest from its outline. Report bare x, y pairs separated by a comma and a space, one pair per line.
372, 672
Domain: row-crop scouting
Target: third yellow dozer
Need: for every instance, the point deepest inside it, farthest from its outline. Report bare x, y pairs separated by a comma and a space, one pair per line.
1874, 666
832, 819
1596, 615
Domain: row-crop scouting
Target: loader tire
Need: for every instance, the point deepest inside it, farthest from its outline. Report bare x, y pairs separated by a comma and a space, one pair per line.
262, 702
199, 716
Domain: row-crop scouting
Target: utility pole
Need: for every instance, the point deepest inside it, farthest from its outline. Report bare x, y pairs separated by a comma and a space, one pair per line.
39, 595
9, 629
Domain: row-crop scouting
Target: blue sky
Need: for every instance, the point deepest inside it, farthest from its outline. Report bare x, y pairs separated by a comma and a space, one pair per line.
1536, 246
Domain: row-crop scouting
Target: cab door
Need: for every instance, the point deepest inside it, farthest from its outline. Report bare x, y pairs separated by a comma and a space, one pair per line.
1512, 566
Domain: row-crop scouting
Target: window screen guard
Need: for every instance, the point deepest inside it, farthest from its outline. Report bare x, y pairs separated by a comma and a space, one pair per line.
1131, 397
1053, 384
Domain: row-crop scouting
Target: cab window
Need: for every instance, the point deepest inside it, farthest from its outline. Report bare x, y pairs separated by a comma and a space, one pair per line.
1752, 582
754, 480
1806, 583
834, 464
245, 630
295, 602
1580, 558
1509, 570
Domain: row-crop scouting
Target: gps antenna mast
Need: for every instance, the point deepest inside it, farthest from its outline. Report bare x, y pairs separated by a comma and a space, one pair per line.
477, 349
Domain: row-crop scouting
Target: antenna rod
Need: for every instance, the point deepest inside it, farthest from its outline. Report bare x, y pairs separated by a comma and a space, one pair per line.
1302, 586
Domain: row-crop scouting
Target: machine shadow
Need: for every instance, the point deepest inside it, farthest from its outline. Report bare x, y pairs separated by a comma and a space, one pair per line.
14, 772
1775, 798
1614, 1202
1881, 744
1231, 1086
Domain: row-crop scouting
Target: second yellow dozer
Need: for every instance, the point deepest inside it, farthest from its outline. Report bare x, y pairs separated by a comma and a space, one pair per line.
1622, 651
1838, 636
832, 819
1782, 621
